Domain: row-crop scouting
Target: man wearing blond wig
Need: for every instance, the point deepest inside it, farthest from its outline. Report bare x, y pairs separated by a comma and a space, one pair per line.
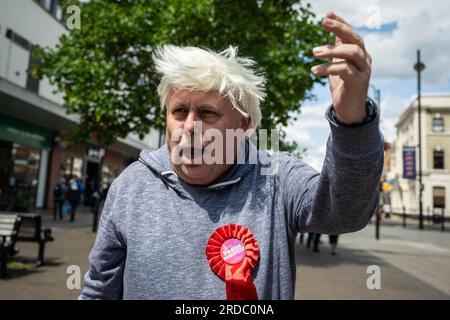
189, 221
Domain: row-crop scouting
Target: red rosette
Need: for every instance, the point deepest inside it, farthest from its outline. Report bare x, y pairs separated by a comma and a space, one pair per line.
232, 253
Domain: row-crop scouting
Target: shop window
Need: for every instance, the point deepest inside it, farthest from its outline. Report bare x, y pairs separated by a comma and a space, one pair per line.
109, 173
19, 176
73, 166
438, 159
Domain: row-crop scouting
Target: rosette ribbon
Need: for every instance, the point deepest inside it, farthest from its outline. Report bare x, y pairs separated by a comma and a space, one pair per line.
232, 253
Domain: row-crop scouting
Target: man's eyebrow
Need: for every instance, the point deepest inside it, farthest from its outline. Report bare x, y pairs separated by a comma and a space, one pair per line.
178, 103
207, 105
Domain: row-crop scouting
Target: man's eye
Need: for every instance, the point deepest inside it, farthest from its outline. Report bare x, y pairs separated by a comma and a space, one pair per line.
180, 110
208, 113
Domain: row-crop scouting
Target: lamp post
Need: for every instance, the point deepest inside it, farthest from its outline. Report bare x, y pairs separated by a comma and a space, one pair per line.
419, 67
377, 96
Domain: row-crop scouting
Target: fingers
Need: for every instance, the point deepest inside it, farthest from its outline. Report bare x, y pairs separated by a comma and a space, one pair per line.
350, 52
341, 68
333, 15
343, 31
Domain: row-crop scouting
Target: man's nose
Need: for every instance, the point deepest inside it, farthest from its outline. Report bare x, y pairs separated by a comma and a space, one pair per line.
191, 122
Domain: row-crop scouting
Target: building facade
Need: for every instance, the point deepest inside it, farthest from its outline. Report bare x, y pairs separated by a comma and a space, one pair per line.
435, 132
33, 155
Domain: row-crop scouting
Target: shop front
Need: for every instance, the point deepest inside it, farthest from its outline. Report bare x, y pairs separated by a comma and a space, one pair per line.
24, 156
95, 166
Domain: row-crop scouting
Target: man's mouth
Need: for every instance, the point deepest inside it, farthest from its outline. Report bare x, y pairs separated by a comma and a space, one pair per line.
191, 155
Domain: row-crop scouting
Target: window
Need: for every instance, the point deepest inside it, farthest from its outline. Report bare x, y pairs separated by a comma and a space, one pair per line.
438, 124
53, 7
47, 4
438, 159
57, 11
19, 176
73, 166
438, 197
109, 173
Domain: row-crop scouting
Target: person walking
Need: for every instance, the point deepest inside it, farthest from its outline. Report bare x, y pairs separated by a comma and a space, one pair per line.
75, 189
315, 239
333, 243
59, 196
309, 239
316, 242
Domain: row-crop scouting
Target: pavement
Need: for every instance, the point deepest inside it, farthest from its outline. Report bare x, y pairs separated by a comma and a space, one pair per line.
73, 242
413, 264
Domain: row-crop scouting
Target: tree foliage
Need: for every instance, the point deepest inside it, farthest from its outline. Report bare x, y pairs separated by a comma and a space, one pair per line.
106, 73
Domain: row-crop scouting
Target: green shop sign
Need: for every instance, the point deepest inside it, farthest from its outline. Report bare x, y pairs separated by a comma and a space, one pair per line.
25, 133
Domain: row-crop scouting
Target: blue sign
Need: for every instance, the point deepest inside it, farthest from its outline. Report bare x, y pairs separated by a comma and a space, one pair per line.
409, 162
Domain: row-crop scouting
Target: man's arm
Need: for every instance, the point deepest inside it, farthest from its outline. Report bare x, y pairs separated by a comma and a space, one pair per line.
104, 280
343, 197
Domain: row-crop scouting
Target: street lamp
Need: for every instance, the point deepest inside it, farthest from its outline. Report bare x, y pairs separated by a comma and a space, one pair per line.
377, 96
419, 67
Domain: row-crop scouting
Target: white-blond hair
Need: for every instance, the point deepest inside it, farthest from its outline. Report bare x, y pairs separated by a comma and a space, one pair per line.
202, 69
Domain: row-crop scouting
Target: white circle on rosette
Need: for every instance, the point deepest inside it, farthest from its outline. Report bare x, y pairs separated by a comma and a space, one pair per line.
232, 251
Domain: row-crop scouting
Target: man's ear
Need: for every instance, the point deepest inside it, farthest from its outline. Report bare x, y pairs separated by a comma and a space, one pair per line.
245, 123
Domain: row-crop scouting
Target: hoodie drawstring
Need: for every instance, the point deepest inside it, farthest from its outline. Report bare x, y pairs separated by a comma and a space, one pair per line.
213, 186
222, 184
168, 172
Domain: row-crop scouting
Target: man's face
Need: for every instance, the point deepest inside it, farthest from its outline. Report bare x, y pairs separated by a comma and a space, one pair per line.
187, 109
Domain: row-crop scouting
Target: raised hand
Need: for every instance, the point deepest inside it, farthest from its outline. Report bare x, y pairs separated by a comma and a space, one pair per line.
348, 72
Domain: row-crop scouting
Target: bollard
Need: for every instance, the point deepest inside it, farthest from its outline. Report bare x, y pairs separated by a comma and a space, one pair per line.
95, 212
377, 223
404, 218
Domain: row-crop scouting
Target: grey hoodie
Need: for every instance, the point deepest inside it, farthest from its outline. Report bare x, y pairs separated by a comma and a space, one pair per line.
154, 227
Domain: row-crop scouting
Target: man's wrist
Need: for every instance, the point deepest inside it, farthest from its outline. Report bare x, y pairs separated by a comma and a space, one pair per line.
355, 140
370, 114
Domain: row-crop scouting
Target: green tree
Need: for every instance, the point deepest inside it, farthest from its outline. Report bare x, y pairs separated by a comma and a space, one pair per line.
105, 69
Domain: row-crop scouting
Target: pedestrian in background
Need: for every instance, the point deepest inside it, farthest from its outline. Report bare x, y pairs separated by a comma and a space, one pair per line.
333, 243
315, 239
59, 196
302, 237
75, 190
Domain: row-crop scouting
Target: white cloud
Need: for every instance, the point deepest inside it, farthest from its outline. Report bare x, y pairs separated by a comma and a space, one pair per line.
302, 137
315, 156
311, 123
310, 131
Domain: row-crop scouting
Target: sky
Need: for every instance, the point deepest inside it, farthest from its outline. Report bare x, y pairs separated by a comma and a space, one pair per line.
393, 30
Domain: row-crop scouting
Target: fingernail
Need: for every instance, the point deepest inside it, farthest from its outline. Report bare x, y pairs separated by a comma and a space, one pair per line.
315, 69
317, 50
329, 22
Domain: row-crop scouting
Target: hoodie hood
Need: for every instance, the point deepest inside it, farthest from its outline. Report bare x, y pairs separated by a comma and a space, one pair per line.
159, 163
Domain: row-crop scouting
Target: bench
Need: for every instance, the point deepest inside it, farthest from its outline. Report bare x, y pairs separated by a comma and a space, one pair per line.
31, 231
9, 228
